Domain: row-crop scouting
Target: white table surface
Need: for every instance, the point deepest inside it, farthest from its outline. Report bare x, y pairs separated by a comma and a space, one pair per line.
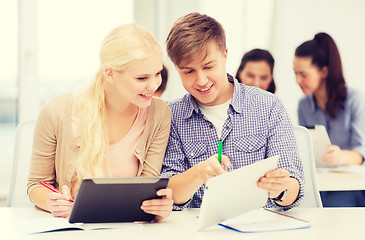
326, 223
349, 179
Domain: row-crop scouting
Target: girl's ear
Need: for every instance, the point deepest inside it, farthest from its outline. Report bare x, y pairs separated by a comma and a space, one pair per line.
108, 74
324, 72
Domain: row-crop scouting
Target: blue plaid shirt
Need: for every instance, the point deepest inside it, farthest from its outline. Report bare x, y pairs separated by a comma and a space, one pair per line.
257, 127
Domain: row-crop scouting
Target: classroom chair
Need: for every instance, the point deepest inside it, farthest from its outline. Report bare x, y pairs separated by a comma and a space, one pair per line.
17, 195
306, 154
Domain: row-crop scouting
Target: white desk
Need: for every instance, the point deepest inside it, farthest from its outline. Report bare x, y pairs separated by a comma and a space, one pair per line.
334, 180
327, 223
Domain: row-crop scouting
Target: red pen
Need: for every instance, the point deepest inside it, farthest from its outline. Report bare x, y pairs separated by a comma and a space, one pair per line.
50, 187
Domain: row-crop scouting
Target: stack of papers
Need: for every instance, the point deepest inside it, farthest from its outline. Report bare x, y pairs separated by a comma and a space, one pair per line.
264, 220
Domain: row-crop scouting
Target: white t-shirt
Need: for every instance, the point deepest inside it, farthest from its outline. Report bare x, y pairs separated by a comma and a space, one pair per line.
216, 115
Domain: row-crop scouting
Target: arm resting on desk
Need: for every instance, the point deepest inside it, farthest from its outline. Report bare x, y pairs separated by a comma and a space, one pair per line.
335, 155
56, 203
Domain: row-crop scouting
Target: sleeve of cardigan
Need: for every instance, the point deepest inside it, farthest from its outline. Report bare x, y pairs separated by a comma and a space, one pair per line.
42, 167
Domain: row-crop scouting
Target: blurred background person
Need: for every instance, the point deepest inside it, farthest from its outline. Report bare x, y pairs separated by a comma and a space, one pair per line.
162, 87
329, 102
256, 69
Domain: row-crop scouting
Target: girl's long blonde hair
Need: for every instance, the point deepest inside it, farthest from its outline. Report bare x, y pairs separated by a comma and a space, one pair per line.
120, 47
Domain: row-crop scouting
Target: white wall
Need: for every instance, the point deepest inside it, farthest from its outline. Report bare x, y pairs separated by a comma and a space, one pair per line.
237, 18
279, 26
298, 21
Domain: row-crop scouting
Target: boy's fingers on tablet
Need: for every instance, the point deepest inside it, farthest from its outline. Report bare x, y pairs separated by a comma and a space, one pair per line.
275, 181
277, 173
269, 185
281, 180
273, 184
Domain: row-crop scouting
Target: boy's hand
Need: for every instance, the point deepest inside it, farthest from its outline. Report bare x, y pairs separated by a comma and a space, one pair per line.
275, 182
211, 167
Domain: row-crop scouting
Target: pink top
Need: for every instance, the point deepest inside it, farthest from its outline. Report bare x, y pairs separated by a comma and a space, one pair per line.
122, 161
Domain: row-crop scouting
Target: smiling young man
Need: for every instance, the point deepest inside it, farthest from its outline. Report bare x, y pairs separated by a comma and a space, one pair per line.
251, 123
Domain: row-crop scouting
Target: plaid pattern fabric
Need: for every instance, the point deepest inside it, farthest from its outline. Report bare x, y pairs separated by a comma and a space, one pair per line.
257, 127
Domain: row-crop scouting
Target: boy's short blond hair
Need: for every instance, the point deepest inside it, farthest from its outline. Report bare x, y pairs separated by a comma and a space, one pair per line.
191, 34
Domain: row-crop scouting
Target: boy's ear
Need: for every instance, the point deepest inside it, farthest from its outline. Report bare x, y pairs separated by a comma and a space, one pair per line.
226, 54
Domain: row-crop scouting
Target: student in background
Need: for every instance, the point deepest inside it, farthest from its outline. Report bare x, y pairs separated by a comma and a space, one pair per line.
164, 78
256, 69
329, 102
251, 123
112, 129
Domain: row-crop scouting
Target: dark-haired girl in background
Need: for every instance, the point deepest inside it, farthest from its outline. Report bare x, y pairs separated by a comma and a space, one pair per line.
329, 102
256, 69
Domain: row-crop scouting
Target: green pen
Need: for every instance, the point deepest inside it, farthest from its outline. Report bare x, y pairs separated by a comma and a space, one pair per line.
220, 146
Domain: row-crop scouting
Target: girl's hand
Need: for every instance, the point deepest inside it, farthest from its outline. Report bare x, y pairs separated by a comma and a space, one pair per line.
59, 204
334, 156
160, 207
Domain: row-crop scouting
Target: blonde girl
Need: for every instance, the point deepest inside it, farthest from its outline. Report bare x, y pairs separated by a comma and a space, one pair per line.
112, 129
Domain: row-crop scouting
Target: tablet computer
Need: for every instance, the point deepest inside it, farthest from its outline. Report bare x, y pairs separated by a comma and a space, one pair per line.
101, 200
321, 142
234, 193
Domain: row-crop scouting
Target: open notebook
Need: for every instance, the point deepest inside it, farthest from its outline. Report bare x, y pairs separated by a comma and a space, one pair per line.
50, 224
264, 220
